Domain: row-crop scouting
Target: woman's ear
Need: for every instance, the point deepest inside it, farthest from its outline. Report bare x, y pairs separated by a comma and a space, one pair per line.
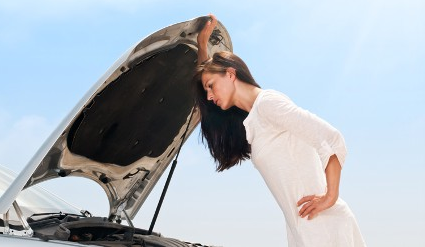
231, 72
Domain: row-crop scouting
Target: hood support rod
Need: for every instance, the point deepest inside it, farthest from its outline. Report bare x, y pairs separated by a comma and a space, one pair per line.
167, 183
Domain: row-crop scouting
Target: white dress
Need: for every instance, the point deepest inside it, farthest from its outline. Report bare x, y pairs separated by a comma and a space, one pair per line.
291, 147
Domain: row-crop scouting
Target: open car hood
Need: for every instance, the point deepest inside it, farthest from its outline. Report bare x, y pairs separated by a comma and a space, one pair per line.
126, 130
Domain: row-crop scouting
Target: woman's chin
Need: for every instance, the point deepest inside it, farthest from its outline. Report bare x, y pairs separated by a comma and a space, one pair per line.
224, 107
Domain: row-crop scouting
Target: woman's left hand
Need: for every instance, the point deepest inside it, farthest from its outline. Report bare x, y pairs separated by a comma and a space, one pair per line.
315, 204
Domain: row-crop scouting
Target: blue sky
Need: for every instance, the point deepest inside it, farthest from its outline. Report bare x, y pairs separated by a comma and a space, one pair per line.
358, 64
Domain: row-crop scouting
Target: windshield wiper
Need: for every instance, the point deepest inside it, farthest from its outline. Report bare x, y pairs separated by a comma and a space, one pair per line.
60, 215
84, 213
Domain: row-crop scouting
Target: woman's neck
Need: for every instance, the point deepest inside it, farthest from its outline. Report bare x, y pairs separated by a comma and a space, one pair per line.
245, 95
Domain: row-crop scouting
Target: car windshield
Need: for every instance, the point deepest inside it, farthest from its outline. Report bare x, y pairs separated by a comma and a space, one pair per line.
34, 200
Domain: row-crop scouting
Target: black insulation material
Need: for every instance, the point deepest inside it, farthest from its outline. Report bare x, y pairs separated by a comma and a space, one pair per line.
140, 113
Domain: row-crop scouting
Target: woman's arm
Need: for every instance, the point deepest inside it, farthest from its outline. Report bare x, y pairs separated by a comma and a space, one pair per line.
283, 114
315, 204
203, 38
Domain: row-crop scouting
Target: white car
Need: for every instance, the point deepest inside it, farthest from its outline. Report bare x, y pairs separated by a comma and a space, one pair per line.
123, 134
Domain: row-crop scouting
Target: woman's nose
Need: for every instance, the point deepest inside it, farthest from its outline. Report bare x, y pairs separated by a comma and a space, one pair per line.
209, 96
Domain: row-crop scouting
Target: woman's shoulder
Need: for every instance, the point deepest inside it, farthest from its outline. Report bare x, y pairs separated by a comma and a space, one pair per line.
268, 96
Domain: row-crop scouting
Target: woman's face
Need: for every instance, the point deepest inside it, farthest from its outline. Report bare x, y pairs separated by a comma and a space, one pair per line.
219, 88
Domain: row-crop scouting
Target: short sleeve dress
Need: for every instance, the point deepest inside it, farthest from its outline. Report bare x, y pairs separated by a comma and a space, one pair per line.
291, 147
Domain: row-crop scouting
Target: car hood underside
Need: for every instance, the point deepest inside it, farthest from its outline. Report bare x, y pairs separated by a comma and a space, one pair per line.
129, 126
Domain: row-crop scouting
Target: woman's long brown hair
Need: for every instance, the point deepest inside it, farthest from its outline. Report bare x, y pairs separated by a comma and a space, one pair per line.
223, 129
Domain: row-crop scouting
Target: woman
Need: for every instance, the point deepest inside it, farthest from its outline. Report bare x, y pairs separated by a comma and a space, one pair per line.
299, 155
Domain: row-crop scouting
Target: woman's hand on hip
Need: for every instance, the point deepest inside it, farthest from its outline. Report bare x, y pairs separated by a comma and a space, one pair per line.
312, 205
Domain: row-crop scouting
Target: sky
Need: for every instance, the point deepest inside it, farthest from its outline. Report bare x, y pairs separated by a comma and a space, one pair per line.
358, 64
